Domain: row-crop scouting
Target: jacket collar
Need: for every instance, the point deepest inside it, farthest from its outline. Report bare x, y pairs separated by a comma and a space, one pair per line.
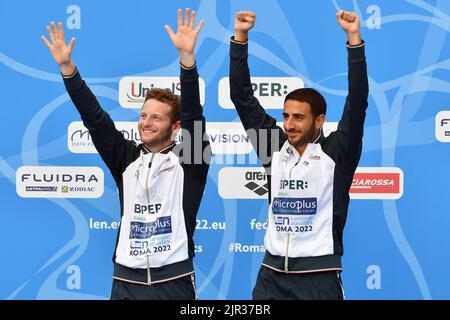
164, 150
289, 150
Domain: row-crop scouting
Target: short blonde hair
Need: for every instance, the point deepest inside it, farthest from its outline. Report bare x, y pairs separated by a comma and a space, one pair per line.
166, 96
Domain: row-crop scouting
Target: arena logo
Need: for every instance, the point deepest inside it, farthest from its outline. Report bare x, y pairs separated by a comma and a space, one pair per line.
377, 183
442, 127
59, 182
79, 140
243, 183
270, 91
132, 90
258, 182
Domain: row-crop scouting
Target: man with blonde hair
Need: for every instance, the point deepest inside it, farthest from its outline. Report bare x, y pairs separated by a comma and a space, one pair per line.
159, 190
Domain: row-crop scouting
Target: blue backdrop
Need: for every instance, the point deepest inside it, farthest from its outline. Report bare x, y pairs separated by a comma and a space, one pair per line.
396, 240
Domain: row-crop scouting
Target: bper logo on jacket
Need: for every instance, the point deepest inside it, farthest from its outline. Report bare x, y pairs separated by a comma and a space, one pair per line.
293, 184
147, 208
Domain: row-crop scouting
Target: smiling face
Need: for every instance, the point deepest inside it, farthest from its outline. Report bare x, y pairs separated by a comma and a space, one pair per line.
301, 126
156, 127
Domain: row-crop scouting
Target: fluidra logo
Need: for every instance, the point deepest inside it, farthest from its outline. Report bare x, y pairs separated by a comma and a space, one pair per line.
59, 182
59, 177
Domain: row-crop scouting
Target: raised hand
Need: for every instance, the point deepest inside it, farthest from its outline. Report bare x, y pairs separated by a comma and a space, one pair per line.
243, 22
186, 36
61, 52
350, 23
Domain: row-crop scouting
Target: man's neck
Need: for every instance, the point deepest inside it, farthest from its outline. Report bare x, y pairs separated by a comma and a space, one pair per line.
302, 148
158, 148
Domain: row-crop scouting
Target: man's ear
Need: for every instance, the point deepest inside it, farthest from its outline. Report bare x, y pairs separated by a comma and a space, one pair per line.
319, 121
177, 125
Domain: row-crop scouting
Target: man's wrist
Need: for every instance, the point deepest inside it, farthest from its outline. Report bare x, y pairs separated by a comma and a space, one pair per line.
354, 39
241, 36
187, 59
68, 69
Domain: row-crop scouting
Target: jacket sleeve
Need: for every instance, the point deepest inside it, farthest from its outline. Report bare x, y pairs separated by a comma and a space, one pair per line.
351, 126
109, 142
195, 143
265, 135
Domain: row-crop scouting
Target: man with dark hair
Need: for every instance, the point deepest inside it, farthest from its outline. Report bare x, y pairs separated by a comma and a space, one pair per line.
309, 174
159, 191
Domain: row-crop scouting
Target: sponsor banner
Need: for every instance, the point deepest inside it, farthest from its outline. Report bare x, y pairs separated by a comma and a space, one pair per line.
79, 140
225, 137
243, 183
442, 128
368, 183
59, 182
228, 138
377, 183
231, 138
270, 91
132, 90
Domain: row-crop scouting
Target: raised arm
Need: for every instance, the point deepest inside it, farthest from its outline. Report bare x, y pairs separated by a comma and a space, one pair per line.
351, 126
197, 152
108, 141
265, 135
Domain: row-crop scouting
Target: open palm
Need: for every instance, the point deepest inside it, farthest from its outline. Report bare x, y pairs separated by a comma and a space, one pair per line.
186, 36
60, 51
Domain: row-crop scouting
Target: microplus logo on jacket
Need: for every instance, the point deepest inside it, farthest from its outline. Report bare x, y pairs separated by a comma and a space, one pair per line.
145, 230
294, 206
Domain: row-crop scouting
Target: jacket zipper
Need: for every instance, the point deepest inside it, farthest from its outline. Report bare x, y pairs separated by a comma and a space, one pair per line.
149, 276
286, 257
